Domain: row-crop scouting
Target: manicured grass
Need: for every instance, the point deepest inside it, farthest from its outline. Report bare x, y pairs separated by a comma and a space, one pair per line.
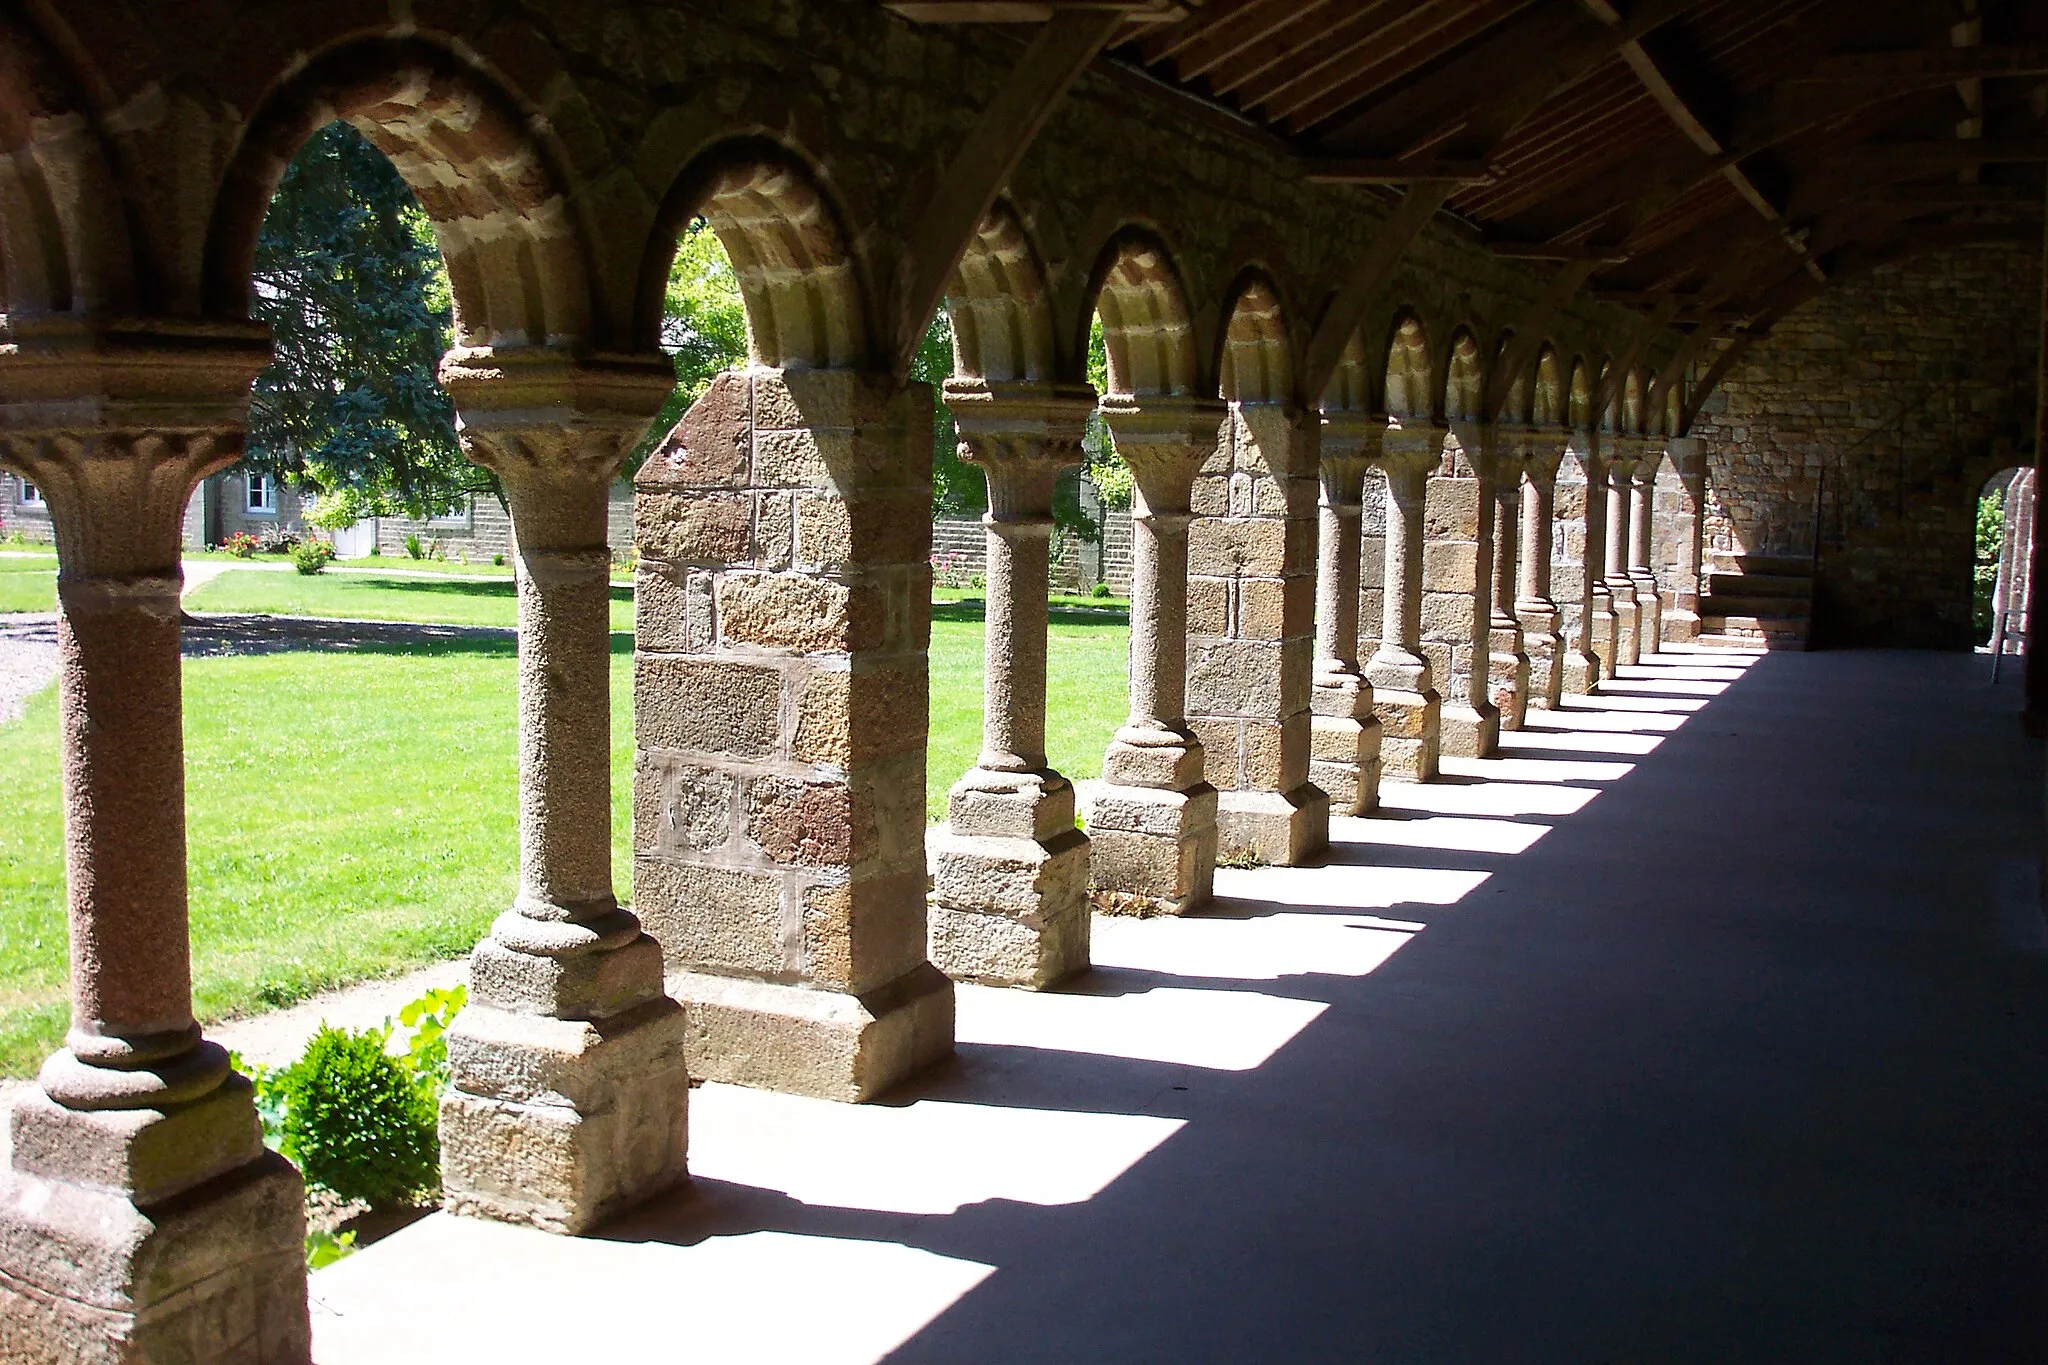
1084, 601
352, 814
28, 584
454, 601
1086, 666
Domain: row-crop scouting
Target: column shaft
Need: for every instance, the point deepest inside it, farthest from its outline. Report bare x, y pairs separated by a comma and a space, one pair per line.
1405, 698
1641, 567
1628, 639
1534, 607
1509, 665
1344, 732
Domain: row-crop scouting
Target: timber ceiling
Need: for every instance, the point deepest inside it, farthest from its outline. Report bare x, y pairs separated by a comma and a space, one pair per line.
1711, 161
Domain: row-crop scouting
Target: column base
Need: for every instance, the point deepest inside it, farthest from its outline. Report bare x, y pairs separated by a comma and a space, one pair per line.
90, 1276
1152, 851
560, 1124
1680, 626
1544, 645
1008, 912
1411, 733
1344, 745
1468, 731
1579, 673
1627, 635
1273, 829
1009, 899
1649, 616
1508, 669
1605, 635
832, 1045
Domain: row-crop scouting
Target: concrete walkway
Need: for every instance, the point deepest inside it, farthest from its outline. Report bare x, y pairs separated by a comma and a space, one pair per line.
1708, 1027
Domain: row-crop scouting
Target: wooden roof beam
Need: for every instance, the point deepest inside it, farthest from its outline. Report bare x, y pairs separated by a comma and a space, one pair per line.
1366, 170
1032, 11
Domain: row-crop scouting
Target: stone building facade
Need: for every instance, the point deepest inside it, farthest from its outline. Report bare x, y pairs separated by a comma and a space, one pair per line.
1875, 414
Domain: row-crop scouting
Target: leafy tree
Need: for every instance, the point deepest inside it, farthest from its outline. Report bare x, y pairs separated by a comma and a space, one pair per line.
1106, 469
350, 280
1990, 543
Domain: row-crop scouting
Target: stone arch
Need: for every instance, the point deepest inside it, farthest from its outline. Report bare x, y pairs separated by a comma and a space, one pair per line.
1579, 403
1464, 378
65, 244
1001, 315
1549, 400
518, 265
1350, 386
1146, 323
796, 273
1634, 415
1406, 387
1257, 364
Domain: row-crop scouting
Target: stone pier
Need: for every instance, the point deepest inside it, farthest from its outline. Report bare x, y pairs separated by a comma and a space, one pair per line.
780, 702
1536, 610
569, 1092
1405, 698
1009, 900
1681, 501
1580, 506
1617, 471
141, 1216
1345, 732
1153, 826
1251, 640
1509, 667
1457, 577
1642, 510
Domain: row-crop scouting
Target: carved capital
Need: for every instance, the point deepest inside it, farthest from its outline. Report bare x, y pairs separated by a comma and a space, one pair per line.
1020, 436
1165, 440
1411, 448
117, 422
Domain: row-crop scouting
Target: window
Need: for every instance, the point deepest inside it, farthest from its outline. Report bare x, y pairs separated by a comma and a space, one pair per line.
456, 515
262, 499
31, 496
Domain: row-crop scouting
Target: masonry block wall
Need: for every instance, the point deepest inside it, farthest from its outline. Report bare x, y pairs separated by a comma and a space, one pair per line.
1451, 570
1894, 398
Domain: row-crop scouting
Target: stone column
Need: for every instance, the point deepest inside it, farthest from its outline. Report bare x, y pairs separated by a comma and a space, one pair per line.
141, 1218
1153, 826
1457, 583
1509, 666
1534, 606
1682, 500
1344, 747
1009, 901
1642, 510
1251, 632
1582, 592
1619, 471
780, 704
1404, 692
569, 1092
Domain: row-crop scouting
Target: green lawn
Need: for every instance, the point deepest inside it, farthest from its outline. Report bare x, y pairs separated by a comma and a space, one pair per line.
28, 584
454, 600
352, 814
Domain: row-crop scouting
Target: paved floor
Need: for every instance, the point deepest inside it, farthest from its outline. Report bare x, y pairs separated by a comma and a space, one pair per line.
1713, 1027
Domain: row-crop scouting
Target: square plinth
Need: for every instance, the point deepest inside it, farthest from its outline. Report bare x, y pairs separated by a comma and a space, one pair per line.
1153, 852
216, 1274
560, 1124
813, 1041
1008, 911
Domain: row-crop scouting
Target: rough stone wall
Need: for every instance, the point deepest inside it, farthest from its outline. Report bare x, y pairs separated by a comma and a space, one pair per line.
31, 523
784, 613
1251, 602
1451, 571
1896, 397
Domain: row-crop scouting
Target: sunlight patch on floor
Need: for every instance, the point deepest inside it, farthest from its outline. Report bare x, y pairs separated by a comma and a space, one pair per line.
1447, 833
1349, 886
1507, 799
1579, 742
1262, 948
929, 1157
1213, 1030
464, 1289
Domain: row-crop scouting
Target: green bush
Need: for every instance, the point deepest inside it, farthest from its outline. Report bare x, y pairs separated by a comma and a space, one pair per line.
358, 1121
312, 556
1100, 590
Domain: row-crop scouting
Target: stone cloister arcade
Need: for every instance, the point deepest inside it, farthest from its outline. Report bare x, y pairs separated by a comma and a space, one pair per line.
1400, 483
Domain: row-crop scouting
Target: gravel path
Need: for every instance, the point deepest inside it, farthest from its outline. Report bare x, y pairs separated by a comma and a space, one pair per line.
28, 660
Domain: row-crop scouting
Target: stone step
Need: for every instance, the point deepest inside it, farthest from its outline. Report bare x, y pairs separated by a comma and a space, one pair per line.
1731, 604
1787, 566
1755, 627
1759, 585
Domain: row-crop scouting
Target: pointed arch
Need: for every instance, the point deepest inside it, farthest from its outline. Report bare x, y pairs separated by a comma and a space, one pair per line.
1146, 322
1257, 365
65, 243
1550, 402
1350, 386
997, 301
1407, 387
1633, 413
1464, 379
518, 268
1579, 407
